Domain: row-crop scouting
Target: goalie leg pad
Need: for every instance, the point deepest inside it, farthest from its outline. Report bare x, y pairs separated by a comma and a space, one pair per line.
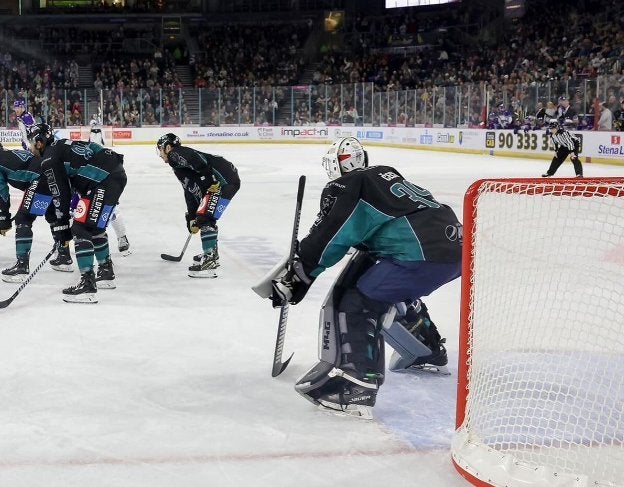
352, 362
361, 342
351, 340
415, 339
351, 347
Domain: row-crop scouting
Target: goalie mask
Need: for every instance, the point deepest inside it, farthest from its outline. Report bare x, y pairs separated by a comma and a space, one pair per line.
343, 156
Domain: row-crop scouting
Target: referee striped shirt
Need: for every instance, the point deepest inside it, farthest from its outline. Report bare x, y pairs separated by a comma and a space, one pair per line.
565, 139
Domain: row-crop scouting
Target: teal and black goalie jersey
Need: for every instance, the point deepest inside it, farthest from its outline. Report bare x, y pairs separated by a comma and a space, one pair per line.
378, 210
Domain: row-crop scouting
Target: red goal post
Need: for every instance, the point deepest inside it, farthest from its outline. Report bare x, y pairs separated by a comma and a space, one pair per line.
540, 396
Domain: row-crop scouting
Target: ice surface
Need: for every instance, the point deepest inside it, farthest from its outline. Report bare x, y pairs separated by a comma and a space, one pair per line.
167, 381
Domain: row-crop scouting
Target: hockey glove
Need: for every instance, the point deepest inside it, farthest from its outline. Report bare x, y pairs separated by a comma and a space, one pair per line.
5, 223
292, 287
191, 224
60, 231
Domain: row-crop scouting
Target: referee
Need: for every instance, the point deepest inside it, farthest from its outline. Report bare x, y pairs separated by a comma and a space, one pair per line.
565, 144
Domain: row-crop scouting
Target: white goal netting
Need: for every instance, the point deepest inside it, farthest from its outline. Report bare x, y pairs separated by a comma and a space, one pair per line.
541, 386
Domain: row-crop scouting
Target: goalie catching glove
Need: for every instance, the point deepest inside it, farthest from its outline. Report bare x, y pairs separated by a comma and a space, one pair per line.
292, 286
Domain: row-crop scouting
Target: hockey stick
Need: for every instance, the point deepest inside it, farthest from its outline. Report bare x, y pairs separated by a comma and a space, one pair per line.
6, 302
177, 258
278, 365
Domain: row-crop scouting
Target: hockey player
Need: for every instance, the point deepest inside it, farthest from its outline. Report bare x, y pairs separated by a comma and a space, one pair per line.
96, 135
96, 129
98, 176
209, 183
566, 145
119, 225
501, 118
21, 169
24, 120
408, 245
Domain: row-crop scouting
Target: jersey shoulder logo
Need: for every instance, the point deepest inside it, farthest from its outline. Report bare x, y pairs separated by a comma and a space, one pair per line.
327, 203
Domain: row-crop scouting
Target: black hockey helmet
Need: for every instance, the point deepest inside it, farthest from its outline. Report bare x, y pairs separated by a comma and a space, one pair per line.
167, 139
40, 132
553, 124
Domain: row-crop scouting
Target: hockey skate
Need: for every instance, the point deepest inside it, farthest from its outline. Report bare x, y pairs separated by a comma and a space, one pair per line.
347, 395
63, 261
124, 246
19, 272
105, 277
206, 268
198, 257
83, 292
341, 392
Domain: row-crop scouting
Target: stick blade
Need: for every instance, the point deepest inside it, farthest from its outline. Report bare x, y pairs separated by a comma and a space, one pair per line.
171, 258
279, 367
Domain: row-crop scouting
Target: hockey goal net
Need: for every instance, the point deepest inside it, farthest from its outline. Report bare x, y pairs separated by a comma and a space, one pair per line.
541, 356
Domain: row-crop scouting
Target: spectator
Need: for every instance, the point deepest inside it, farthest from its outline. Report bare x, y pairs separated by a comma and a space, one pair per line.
618, 117
566, 115
551, 111
606, 117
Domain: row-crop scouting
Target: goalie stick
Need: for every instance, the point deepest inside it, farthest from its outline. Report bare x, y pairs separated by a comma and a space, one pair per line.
177, 258
278, 365
6, 302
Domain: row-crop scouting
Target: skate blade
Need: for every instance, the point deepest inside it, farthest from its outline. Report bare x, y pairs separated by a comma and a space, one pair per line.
428, 368
85, 298
19, 278
210, 274
110, 284
352, 410
125, 253
63, 268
